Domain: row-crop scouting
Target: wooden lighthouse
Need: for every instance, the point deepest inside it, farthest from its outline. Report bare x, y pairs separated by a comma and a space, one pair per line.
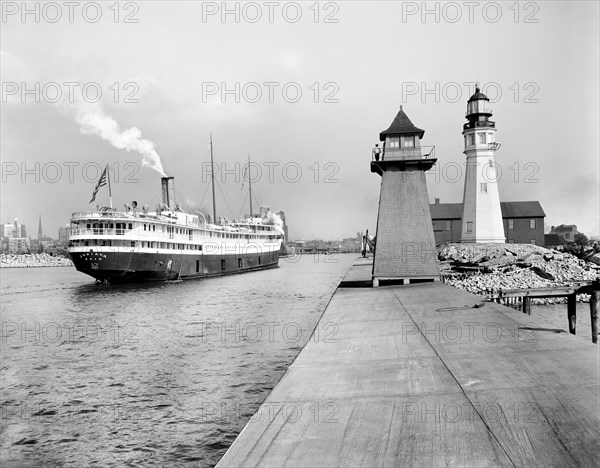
405, 249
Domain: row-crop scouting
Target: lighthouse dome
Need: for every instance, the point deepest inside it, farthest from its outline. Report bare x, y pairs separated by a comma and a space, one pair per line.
478, 96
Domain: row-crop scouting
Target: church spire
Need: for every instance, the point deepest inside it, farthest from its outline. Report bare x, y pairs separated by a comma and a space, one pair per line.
40, 233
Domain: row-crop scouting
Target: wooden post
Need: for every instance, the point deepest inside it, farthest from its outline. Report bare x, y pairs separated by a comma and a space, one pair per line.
527, 305
572, 312
594, 315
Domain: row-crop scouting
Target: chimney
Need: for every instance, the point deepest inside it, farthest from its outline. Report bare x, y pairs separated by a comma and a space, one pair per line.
168, 192
437, 201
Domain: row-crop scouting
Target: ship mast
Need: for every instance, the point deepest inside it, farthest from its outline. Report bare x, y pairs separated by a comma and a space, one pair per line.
212, 178
250, 185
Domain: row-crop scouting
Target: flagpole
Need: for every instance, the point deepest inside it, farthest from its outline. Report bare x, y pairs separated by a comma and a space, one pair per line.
109, 191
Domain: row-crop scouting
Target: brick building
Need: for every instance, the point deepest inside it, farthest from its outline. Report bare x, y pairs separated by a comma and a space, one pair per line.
565, 232
523, 222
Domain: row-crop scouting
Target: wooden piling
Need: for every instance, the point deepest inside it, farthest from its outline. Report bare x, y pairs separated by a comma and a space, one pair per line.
527, 305
572, 312
594, 315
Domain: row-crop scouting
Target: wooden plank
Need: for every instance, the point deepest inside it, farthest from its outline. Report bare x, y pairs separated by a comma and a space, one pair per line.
399, 387
554, 291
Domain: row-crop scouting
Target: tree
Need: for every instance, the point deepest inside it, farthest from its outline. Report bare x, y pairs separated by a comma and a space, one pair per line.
581, 239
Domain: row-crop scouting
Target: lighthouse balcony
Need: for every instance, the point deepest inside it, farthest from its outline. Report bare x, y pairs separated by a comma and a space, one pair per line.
477, 123
404, 154
420, 157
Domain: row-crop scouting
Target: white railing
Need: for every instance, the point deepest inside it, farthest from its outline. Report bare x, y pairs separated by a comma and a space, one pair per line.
168, 236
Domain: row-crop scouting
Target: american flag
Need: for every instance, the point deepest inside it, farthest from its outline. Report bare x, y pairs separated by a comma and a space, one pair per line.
101, 183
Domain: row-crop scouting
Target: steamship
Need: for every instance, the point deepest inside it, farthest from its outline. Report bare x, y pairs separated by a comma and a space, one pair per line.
170, 244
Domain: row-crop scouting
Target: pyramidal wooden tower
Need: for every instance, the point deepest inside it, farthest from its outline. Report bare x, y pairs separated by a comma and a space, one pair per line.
405, 249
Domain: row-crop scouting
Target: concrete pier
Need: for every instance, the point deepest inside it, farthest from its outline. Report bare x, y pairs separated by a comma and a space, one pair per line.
427, 375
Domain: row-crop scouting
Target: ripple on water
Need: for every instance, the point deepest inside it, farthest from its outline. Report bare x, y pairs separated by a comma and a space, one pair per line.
147, 375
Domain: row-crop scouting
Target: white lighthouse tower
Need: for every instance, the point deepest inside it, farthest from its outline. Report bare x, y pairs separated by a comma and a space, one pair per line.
482, 218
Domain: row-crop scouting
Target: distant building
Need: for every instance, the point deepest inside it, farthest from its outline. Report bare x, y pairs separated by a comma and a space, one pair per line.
565, 232
13, 229
63, 235
523, 222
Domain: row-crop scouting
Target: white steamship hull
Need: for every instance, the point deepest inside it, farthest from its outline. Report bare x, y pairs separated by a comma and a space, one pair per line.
169, 244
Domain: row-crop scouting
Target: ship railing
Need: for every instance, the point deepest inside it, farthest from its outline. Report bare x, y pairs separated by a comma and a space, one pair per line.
160, 236
164, 217
98, 232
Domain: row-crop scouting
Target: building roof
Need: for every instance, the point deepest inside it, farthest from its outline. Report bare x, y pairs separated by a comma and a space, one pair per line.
517, 209
522, 209
565, 228
446, 211
401, 126
478, 95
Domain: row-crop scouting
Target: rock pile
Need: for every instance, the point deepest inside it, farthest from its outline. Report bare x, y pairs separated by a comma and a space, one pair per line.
486, 268
33, 260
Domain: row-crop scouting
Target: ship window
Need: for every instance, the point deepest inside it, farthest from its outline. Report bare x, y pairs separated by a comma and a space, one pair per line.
222, 264
153, 227
89, 226
511, 224
259, 260
144, 227
132, 243
532, 224
394, 142
130, 226
197, 266
240, 262
448, 225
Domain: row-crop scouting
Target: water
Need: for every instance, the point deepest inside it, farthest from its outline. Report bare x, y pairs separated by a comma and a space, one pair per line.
147, 375
555, 316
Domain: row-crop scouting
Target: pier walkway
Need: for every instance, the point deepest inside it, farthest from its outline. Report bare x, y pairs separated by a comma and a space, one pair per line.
427, 375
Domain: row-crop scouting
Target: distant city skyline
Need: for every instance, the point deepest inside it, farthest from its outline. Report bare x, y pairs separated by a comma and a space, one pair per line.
308, 107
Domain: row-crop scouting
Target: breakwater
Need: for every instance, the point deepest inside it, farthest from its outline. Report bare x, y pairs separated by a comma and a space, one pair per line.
33, 261
484, 269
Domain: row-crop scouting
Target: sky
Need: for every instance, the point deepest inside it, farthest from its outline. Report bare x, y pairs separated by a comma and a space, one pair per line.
303, 90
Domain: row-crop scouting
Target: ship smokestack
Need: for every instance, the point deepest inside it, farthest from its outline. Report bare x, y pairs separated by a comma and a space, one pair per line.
168, 192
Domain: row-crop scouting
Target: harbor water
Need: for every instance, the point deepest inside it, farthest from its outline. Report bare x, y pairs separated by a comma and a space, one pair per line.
149, 375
